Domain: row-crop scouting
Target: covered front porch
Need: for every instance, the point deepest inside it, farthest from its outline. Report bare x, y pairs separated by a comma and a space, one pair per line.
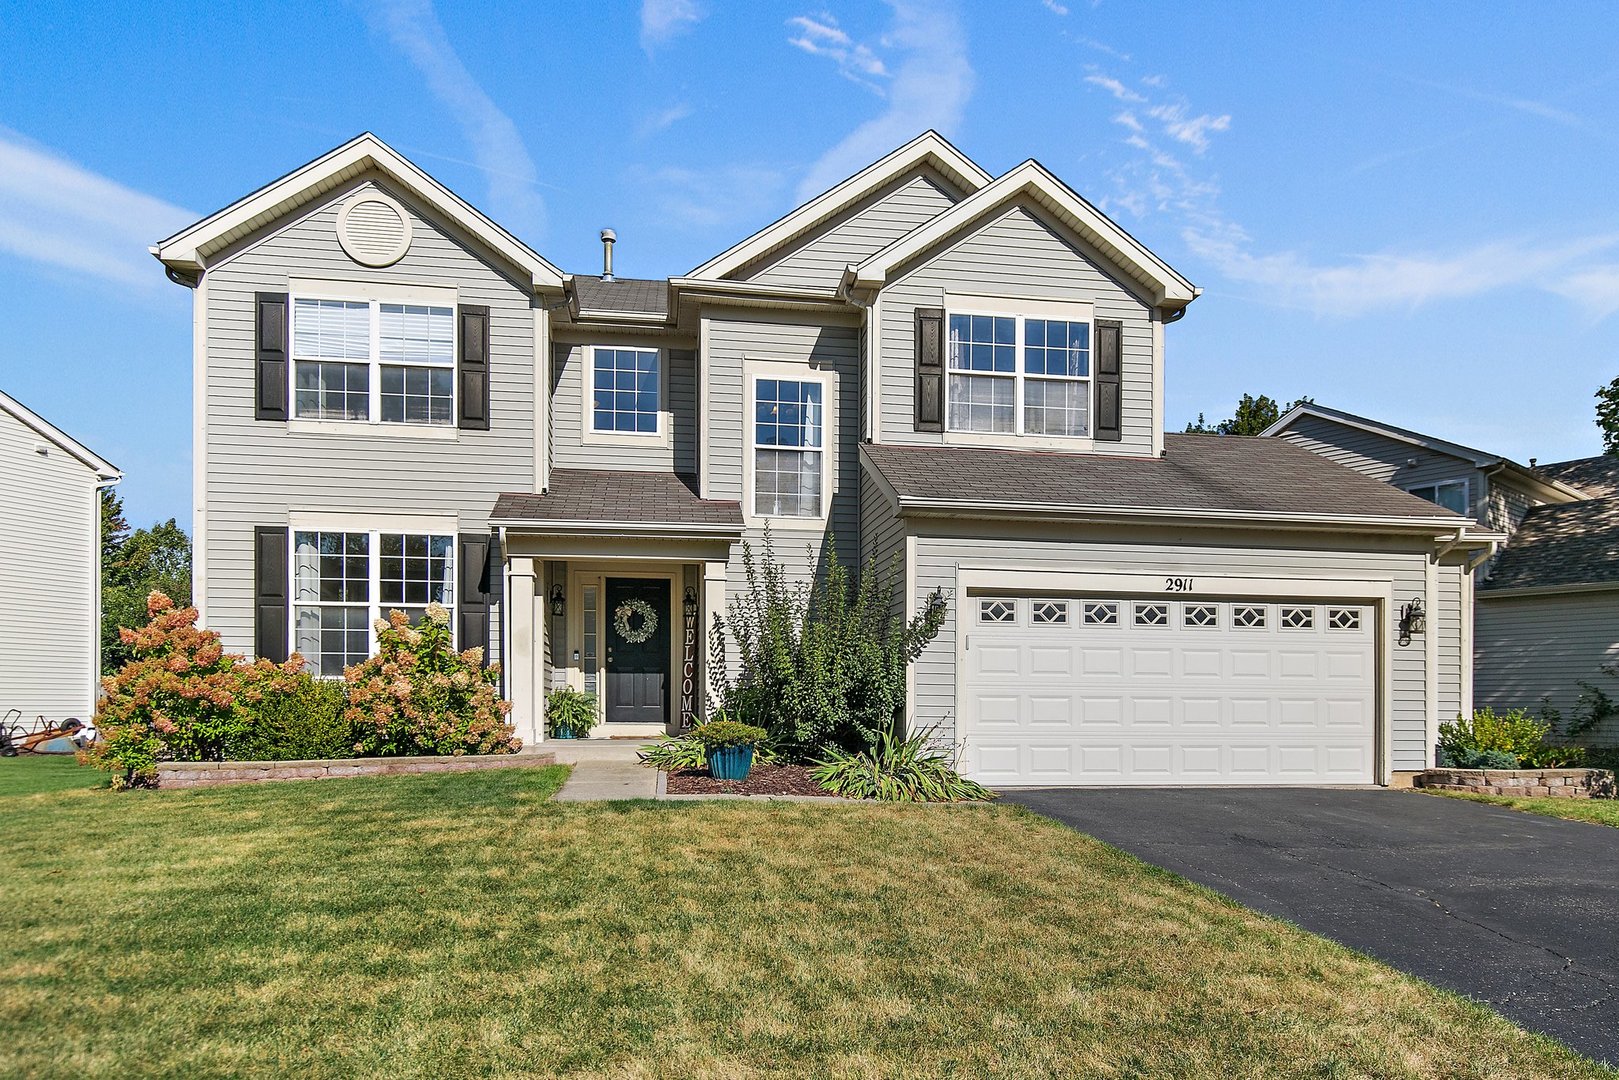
611, 580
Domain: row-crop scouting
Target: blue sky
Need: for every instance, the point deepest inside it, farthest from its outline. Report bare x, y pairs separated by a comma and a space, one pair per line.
1406, 213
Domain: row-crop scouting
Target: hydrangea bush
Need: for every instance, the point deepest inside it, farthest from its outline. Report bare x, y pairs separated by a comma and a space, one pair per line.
419, 696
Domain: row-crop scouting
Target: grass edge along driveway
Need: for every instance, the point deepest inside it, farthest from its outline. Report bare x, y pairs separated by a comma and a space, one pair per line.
464, 925
1592, 811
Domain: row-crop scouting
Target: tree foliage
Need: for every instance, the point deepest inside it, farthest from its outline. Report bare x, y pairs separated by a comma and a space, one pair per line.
1608, 417
1253, 416
133, 566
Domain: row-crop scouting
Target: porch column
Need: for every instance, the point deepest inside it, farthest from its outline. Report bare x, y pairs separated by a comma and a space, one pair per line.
713, 604
527, 651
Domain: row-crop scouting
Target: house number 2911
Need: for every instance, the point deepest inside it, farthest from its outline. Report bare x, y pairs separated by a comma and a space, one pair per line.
1177, 584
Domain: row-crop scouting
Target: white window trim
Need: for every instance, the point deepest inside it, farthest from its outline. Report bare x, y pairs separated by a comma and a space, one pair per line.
753, 371
1467, 491
587, 404
374, 294
374, 528
1020, 310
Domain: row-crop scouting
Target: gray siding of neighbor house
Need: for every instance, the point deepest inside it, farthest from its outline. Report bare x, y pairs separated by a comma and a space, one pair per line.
1390, 460
258, 472
50, 522
1034, 548
1016, 253
784, 338
1533, 649
819, 259
1506, 506
572, 373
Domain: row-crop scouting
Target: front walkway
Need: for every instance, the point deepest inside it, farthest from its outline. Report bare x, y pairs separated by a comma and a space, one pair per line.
1518, 911
603, 769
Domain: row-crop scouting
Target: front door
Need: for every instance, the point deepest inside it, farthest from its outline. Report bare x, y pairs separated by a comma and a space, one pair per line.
637, 651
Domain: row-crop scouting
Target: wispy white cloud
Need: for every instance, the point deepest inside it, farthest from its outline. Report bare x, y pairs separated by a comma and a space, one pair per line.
662, 119
1115, 87
1594, 288
931, 84
1054, 7
414, 29
56, 212
664, 20
820, 35
1102, 47
711, 198
1191, 130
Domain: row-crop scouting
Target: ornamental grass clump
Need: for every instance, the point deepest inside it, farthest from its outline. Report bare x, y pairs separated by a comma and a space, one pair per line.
419, 696
898, 770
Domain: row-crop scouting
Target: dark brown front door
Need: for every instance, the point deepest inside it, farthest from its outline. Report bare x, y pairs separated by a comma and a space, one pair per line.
637, 671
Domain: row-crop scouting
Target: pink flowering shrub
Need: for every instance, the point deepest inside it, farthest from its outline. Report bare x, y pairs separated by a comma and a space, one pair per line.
419, 696
181, 696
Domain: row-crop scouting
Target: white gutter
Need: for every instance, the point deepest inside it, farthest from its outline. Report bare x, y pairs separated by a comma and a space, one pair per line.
1190, 515
659, 529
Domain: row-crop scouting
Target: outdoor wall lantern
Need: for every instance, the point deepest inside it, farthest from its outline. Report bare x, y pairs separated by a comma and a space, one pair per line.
559, 601
690, 604
1413, 620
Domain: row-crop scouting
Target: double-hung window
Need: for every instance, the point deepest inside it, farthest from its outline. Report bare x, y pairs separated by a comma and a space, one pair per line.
1452, 495
373, 360
345, 580
789, 447
626, 391
1019, 375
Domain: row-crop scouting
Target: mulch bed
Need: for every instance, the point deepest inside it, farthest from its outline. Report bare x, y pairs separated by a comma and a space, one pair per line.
762, 780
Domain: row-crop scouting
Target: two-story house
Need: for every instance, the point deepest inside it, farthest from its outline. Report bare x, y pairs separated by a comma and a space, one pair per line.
962, 375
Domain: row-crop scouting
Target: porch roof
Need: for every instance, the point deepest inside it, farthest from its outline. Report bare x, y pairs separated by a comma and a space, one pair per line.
618, 499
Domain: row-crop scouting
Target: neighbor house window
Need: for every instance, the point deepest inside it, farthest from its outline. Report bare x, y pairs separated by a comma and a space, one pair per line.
371, 360
625, 399
1452, 495
789, 447
1019, 375
344, 581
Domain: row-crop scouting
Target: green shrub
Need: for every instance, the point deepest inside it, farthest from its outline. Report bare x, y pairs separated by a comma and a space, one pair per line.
1476, 759
898, 770
571, 710
672, 755
301, 721
822, 663
718, 734
1513, 733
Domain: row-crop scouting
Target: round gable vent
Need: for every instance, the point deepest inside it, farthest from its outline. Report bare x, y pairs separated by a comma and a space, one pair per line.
374, 230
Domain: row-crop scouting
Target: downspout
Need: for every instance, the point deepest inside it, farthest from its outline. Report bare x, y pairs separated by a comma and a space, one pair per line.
95, 592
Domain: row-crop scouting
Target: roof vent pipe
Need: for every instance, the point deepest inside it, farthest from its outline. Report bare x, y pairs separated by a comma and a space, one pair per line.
609, 238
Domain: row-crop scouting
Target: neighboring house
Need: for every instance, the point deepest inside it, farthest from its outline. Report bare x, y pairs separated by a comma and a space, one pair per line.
397, 401
50, 569
1546, 608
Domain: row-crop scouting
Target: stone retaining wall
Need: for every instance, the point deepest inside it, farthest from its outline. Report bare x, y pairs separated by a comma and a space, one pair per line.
1528, 783
181, 774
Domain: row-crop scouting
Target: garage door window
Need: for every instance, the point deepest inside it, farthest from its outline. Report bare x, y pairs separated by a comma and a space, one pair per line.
1298, 618
1050, 612
997, 611
1102, 613
1247, 617
1201, 615
1152, 614
1343, 618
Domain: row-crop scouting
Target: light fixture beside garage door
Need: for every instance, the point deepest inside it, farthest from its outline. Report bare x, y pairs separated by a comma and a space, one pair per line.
1413, 620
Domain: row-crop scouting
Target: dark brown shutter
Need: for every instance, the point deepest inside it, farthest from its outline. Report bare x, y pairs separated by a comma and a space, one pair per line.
270, 350
270, 606
480, 584
1109, 350
929, 369
472, 369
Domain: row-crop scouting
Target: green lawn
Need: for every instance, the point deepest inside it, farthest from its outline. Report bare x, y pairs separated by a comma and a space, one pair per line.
464, 925
1596, 811
31, 774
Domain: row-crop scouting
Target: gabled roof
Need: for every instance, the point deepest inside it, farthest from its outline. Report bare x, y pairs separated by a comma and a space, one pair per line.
97, 464
929, 148
1597, 476
1575, 544
1031, 179
188, 250
1210, 479
1550, 485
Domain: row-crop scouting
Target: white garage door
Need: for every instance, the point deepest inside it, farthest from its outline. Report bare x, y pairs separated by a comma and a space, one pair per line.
1110, 690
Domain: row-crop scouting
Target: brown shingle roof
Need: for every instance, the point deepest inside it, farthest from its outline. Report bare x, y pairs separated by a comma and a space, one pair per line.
1571, 544
648, 296
1598, 477
617, 497
1196, 473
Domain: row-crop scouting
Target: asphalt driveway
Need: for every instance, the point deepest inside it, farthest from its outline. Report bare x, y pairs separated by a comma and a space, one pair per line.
1517, 911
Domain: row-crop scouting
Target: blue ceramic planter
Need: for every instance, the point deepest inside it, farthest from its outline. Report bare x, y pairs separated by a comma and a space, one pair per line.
564, 733
730, 763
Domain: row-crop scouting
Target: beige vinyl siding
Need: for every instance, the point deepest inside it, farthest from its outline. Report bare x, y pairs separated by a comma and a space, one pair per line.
1016, 253
1033, 548
1533, 649
258, 472
819, 259
1447, 623
572, 372
1506, 506
1390, 460
50, 523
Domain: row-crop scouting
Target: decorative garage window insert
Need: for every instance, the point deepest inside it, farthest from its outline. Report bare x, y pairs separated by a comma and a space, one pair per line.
1102, 613
997, 611
1152, 614
1343, 618
1050, 611
366, 360
1200, 615
1246, 617
1298, 618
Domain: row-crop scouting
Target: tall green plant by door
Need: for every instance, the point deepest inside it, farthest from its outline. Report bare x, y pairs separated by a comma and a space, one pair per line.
569, 714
